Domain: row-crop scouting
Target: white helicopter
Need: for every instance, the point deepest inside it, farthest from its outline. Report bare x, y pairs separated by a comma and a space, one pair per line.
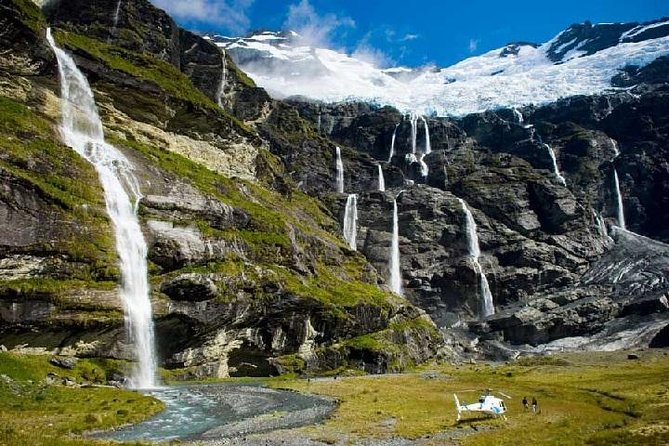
487, 404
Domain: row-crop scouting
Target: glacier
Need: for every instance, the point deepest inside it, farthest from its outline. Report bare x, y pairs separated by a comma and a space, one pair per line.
517, 75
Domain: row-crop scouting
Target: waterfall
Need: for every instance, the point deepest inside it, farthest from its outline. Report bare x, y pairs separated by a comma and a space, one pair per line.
487, 306
81, 129
428, 145
424, 170
616, 150
351, 221
556, 170
394, 266
224, 75
318, 123
382, 181
116, 14
339, 168
518, 115
392, 143
413, 119
619, 201
601, 226
616, 184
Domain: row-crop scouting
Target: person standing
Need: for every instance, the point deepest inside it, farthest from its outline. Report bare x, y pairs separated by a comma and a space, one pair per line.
534, 405
525, 405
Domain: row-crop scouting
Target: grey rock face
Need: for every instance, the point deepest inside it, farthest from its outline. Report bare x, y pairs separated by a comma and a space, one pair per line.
545, 249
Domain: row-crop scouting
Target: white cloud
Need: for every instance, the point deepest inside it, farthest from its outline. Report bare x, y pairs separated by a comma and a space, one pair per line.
229, 14
408, 37
314, 28
473, 45
372, 55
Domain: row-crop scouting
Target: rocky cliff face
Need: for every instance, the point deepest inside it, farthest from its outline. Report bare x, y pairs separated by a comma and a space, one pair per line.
248, 274
541, 240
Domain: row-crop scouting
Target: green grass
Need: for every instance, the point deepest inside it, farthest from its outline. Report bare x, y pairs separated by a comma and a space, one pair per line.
33, 413
29, 13
584, 399
588, 398
141, 66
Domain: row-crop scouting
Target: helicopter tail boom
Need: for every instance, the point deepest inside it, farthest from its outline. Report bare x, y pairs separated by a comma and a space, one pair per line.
458, 408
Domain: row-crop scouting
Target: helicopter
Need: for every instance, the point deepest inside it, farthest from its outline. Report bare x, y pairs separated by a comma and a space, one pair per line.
487, 404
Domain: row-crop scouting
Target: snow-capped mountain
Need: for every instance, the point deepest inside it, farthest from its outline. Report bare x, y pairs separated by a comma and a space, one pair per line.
580, 60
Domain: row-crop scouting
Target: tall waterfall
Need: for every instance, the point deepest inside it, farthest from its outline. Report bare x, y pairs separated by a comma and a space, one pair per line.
224, 75
620, 215
81, 129
339, 169
382, 181
487, 306
394, 264
392, 143
619, 201
351, 221
413, 119
556, 170
518, 115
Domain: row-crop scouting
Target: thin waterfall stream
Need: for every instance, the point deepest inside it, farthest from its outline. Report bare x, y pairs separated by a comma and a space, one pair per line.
339, 172
392, 143
381, 180
351, 221
394, 262
487, 305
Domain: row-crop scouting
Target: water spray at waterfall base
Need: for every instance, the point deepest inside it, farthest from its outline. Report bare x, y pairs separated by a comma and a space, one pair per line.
81, 129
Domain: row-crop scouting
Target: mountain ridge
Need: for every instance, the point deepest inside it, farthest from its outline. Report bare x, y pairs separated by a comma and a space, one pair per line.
582, 59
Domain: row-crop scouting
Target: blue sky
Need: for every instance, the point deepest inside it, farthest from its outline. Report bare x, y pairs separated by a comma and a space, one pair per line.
409, 33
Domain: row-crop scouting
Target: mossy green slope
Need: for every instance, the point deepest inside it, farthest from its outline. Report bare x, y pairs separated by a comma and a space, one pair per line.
33, 157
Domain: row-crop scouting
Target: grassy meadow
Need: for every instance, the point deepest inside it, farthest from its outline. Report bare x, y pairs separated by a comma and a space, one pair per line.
584, 399
33, 413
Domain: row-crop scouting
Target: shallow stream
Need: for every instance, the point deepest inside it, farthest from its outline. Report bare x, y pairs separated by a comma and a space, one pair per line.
216, 411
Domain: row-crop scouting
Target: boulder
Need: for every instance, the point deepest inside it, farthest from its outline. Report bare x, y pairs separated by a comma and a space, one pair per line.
65, 362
